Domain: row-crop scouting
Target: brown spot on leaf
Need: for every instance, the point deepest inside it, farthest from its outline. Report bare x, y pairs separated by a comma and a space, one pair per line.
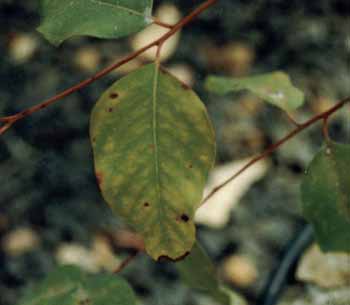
190, 165
99, 178
94, 140
162, 70
165, 258
114, 95
185, 218
146, 204
110, 109
185, 86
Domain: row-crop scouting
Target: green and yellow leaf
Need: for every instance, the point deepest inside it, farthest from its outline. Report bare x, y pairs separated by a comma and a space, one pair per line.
153, 147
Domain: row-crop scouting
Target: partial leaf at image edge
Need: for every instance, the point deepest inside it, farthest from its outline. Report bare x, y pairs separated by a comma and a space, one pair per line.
326, 197
198, 272
153, 147
68, 285
275, 88
62, 19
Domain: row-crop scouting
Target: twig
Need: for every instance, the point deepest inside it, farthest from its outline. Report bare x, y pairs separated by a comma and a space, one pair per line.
291, 119
322, 116
10, 120
325, 129
126, 262
162, 24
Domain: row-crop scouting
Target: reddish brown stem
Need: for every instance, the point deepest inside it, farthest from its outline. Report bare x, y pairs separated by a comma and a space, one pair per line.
10, 120
325, 129
322, 116
126, 262
162, 24
291, 120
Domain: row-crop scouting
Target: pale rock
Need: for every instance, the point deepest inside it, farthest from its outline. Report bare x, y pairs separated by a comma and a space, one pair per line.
215, 212
166, 13
327, 270
314, 295
87, 59
239, 270
183, 72
22, 47
127, 67
20, 241
103, 254
235, 58
77, 255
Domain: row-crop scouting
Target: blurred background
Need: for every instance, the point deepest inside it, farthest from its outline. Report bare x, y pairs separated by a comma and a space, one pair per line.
51, 211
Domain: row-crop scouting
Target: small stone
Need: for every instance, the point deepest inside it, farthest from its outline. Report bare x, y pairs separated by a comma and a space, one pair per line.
240, 271
215, 213
235, 58
166, 13
87, 59
20, 241
78, 255
22, 47
103, 254
183, 72
327, 270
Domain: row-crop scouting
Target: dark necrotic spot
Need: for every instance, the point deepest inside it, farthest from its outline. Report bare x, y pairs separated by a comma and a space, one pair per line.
146, 204
185, 218
165, 258
185, 86
113, 95
99, 177
110, 109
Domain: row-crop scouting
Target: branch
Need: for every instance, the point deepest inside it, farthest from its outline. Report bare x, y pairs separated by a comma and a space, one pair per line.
126, 262
301, 127
162, 24
10, 120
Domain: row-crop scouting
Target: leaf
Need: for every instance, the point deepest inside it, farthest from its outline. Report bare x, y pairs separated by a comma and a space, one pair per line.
62, 19
153, 147
326, 197
198, 272
275, 88
68, 285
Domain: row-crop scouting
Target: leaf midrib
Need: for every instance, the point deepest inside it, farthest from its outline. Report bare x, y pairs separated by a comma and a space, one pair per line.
123, 8
155, 142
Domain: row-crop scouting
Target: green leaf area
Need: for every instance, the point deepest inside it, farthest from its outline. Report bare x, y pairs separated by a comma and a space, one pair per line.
326, 197
198, 272
275, 88
68, 285
62, 19
153, 147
